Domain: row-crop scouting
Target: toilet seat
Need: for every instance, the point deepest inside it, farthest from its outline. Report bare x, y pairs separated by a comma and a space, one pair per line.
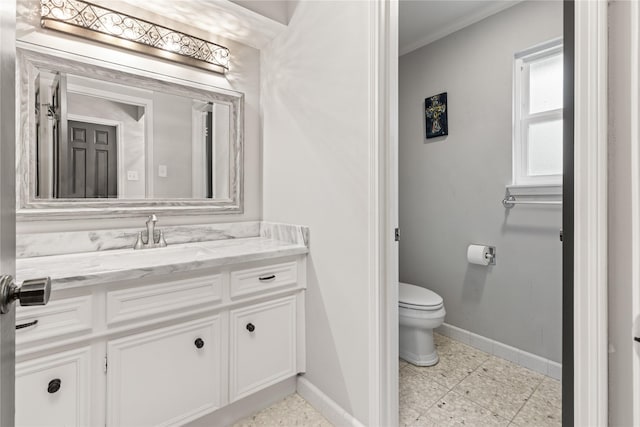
418, 298
421, 307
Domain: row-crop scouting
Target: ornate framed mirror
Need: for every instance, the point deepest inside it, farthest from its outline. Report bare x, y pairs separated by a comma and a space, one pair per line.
97, 141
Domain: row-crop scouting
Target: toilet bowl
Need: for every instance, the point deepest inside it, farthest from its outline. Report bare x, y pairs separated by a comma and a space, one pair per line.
420, 311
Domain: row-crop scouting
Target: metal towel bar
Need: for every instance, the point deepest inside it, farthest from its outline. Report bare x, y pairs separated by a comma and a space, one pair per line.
510, 201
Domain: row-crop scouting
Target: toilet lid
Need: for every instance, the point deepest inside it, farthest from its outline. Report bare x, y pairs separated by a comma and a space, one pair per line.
417, 296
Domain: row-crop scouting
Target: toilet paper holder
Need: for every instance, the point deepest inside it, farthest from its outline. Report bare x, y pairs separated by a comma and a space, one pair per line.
491, 255
481, 254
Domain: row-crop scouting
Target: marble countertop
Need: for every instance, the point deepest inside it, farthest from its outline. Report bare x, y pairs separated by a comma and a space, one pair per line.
90, 268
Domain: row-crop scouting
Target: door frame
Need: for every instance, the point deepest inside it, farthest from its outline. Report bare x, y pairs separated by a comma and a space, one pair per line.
383, 208
589, 219
585, 322
568, 214
198, 152
634, 75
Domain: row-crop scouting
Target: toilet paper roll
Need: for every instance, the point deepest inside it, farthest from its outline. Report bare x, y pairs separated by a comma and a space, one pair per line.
478, 254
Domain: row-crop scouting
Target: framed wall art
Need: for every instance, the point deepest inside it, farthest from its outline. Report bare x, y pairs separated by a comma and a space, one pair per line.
435, 108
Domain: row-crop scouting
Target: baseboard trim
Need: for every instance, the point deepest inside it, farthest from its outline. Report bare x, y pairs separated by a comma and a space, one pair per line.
515, 355
234, 412
325, 405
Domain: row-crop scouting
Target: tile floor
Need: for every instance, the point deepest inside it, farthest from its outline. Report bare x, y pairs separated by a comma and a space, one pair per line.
467, 387
293, 411
472, 388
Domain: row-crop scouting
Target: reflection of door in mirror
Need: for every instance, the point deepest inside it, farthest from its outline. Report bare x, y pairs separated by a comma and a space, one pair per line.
92, 153
68, 168
128, 110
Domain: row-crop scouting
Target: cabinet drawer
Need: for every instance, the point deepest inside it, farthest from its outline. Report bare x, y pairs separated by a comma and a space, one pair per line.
263, 346
252, 280
52, 391
133, 303
167, 376
58, 318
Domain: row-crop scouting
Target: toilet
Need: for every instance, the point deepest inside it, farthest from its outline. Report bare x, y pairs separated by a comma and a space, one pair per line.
420, 311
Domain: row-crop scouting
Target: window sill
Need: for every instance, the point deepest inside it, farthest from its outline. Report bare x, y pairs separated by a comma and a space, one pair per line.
535, 190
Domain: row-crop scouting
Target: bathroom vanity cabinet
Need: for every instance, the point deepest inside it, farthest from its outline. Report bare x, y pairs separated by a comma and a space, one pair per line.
160, 349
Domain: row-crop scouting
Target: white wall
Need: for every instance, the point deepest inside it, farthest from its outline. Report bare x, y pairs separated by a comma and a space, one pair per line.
316, 172
274, 9
244, 76
451, 187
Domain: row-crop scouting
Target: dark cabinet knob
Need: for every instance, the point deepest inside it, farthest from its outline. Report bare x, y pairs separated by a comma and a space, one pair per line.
250, 327
199, 343
54, 385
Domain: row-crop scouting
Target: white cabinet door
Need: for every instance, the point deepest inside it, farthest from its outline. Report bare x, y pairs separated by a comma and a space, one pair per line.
166, 376
263, 346
53, 390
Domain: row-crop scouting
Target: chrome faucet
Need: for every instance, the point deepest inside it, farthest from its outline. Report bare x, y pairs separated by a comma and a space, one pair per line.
151, 228
151, 241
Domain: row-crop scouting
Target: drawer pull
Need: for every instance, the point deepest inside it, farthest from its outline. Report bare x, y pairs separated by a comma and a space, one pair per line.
265, 278
54, 385
26, 325
250, 327
199, 343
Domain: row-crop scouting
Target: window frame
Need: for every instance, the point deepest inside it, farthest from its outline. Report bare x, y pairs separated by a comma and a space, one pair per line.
522, 119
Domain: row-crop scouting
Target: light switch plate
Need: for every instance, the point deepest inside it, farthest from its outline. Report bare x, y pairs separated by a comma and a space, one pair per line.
162, 171
132, 175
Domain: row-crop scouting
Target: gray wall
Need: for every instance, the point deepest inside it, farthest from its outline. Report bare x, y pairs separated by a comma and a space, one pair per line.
622, 323
451, 187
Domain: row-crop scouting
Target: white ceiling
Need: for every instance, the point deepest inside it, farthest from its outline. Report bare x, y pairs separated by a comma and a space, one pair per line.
425, 21
278, 10
210, 18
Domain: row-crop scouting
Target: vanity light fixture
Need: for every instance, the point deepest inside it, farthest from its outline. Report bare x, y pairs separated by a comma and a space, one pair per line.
104, 25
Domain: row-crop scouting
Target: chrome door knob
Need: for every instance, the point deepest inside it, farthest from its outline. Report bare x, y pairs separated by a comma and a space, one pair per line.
32, 292
35, 292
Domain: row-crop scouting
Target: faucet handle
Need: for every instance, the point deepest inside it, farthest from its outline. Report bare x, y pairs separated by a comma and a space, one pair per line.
161, 242
139, 242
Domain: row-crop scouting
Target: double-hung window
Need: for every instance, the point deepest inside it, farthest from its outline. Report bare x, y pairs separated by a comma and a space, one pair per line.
537, 127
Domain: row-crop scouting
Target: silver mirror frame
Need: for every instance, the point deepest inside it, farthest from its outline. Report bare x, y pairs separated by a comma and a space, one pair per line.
29, 208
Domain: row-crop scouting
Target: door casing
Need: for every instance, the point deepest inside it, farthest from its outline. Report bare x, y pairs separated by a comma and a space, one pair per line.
584, 220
